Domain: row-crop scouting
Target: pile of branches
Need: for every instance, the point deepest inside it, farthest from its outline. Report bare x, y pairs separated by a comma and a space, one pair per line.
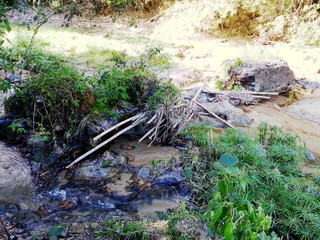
165, 123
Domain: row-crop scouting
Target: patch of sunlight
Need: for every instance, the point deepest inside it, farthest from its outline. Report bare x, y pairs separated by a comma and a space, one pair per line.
95, 48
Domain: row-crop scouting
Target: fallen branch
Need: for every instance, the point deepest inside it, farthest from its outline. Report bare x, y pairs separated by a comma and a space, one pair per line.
244, 92
116, 126
147, 134
215, 115
195, 97
107, 141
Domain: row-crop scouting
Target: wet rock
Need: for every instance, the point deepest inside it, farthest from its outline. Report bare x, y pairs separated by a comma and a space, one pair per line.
173, 176
92, 170
112, 159
93, 129
100, 168
261, 76
6, 132
310, 156
228, 112
15, 181
13, 78
144, 173
35, 166
211, 121
41, 147
108, 123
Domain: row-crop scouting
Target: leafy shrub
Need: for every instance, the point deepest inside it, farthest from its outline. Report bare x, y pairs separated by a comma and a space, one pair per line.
163, 93
54, 95
229, 213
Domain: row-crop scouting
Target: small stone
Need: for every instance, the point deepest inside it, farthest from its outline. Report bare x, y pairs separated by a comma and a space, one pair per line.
174, 176
144, 173
310, 156
114, 159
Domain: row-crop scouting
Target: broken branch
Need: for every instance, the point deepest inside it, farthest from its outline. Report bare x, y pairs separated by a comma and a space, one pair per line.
106, 141
116, 126
215, 115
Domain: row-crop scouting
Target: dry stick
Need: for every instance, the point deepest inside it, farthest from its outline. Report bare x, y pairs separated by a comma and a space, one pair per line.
197, 94
155, 131
147, 134
157, 127
249, 92
116, 126
152, 119
215, 115
104, 143
262, 97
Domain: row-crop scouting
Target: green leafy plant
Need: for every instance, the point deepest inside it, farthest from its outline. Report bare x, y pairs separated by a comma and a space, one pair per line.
163, 94
118, 229
229, 213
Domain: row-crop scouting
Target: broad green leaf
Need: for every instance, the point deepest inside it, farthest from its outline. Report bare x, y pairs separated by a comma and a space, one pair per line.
217, 214
228, 231
217, 197
55, 231
228, 160
211, 204
188, 172
222, 187
219, 166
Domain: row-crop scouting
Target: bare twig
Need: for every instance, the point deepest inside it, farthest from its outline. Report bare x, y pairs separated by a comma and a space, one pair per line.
147, 134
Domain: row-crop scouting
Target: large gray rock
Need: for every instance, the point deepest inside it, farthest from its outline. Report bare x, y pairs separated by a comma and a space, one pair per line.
16, 183
228, 112
261, 76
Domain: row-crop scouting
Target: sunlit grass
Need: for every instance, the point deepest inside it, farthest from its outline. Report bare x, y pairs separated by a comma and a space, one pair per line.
80, 46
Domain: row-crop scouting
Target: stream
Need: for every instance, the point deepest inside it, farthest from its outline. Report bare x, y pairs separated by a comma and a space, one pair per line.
131, 186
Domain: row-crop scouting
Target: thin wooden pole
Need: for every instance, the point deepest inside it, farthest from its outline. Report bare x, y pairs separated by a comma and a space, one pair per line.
104, 143
116, 126
215, 115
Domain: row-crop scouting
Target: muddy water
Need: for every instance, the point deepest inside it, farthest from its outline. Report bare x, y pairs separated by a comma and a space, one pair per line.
68, 200
269, 112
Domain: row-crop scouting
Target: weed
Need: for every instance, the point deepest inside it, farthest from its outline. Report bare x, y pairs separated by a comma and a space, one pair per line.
229, 213
155, 56
199, 133
268, 169
117, 229
220, 83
